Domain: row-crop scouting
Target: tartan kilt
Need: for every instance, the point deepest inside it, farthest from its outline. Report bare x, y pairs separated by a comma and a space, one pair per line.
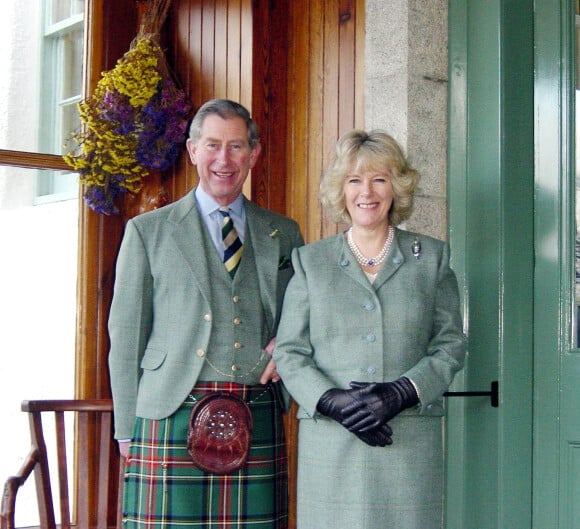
164, 490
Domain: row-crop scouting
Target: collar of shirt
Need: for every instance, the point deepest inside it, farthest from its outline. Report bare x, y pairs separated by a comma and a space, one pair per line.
208, 209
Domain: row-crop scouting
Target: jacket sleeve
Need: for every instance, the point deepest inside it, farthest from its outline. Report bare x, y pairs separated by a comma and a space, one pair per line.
294, 354
130, 323
445, 353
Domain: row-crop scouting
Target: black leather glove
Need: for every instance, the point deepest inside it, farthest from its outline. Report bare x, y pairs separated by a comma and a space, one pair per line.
380, 436
331, 405
334, 400
377, 403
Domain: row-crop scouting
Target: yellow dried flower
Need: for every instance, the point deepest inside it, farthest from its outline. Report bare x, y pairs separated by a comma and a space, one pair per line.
131, 106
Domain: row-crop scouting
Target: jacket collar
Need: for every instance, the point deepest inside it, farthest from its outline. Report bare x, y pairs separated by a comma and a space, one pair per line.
391, 264
191, 239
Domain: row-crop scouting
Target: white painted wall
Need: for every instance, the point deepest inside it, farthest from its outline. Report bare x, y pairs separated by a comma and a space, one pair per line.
37, 321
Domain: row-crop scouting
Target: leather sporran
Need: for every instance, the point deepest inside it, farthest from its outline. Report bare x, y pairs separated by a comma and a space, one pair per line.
220, 433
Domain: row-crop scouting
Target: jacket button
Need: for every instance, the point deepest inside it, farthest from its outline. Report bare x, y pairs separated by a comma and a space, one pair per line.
371, 370
237, 345
237, 321
369, 306
236, 299
200, 353
234, 367
207, 317
370, 337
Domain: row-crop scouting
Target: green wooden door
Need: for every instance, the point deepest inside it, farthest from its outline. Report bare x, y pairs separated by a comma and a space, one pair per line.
556, 470
512, 230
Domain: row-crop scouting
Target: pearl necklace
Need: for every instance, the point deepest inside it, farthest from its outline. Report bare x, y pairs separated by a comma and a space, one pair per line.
372, 261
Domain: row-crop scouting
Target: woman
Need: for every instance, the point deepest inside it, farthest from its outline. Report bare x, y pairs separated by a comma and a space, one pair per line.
370, 339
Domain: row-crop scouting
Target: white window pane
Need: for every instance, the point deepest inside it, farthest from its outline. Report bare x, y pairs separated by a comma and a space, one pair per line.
42, 67
72, 74
63, 9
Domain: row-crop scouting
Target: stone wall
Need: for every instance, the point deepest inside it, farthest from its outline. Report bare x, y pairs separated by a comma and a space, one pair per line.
406, 95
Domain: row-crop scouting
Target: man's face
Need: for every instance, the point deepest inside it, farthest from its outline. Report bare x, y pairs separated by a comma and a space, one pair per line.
223, 157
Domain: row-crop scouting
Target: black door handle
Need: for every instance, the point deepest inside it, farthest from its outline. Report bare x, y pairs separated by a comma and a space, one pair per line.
493, 394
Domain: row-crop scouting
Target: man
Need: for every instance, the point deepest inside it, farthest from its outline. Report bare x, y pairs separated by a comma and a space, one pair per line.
190, 317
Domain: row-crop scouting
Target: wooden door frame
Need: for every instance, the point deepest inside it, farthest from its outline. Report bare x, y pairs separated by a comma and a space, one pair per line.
110, 28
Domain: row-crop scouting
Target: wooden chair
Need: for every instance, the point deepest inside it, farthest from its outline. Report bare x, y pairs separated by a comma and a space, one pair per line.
98, 486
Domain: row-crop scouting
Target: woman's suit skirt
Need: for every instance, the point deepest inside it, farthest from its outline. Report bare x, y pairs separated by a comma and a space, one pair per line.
343, 483
164, 490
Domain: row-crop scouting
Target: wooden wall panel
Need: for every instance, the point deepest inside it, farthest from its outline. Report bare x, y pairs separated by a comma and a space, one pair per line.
325, 94
209, 46
111, 27
269, 101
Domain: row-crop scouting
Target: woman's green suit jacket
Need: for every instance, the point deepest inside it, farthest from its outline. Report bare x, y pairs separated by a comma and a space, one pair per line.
337, 327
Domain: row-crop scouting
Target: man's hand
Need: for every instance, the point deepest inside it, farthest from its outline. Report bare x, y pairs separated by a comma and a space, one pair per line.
124, 448
270, 373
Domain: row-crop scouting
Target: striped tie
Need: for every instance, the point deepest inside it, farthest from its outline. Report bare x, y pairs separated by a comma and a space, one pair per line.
232, 245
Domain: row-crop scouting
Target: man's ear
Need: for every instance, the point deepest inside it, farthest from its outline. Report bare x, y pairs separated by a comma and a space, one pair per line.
254, 155
192, 151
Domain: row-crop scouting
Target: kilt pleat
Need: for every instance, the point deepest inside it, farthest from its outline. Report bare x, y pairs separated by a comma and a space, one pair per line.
164, 490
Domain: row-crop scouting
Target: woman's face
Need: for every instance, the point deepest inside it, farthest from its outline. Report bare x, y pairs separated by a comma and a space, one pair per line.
368, 197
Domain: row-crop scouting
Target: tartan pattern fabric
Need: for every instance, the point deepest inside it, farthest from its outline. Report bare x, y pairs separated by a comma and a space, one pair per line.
232, 244
164, 490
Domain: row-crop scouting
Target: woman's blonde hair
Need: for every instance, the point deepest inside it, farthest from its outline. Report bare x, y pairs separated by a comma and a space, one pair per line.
361, 151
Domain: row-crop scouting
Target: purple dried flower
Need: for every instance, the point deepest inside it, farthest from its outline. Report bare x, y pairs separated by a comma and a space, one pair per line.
163, 126
101, 198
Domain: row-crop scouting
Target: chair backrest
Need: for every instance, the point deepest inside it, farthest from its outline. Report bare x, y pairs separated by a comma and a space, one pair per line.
98, 479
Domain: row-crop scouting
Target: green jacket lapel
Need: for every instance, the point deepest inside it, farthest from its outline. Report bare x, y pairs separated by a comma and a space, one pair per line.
188, 234
266, 251
392, 263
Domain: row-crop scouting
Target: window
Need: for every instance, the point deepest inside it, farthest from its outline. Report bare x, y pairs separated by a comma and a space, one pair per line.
61, 72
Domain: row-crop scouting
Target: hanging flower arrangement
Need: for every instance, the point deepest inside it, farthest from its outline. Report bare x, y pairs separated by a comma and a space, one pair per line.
135, 121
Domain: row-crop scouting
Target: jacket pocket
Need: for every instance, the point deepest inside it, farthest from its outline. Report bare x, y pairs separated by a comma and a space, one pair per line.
152, 359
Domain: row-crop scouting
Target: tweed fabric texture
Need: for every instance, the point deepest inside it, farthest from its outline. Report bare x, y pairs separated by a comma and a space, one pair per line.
358, 486
160, 323
337, 327
164, 490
